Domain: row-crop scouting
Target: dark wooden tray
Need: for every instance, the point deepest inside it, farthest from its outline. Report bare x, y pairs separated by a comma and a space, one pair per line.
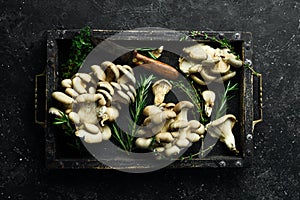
58, 157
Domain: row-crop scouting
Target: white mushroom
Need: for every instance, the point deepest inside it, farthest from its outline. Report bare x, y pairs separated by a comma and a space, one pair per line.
55, 111
196, 52
173, 150
67, 83
222, 128
143, 143
85, 77
74, 117
98, 72
106, 86
160, 88
164, 137
71, 92
78, 85
63, 98
209, 98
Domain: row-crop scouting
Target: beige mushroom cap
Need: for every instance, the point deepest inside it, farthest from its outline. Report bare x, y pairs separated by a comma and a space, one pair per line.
196, 52
106, 86
181, 105
111, 71
221, 120
209, 98
222, 128
160, 88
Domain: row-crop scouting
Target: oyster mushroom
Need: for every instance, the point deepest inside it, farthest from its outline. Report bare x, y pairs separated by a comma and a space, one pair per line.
196, 52
222, 128
63, 98
209, 98
98, 72
160, 88
164, 137
89, 137
67, 83
143, 143
181, 109
126, 77
78, 85
111, 71
172, 151
85, 77
103, 85
55, 111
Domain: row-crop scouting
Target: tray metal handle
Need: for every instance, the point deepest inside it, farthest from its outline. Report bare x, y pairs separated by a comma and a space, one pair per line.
36, 105
260, 103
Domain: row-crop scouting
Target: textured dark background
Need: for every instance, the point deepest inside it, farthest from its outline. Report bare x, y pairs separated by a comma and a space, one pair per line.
275, 25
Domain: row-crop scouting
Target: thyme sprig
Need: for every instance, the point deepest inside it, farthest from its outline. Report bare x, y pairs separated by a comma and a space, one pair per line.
80, 48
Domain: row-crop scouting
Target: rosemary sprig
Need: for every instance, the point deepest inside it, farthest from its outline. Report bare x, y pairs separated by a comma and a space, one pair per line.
194, 95
126, 140
68, 129
201, 152
225, 98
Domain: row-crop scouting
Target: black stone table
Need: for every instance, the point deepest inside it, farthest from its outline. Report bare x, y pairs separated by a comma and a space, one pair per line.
275, 25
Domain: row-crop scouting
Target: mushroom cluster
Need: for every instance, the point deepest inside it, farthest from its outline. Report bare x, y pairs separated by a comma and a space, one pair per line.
205, 64
168, 123
92, 99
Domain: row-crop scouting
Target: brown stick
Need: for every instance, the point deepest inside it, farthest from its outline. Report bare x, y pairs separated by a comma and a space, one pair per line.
158, 67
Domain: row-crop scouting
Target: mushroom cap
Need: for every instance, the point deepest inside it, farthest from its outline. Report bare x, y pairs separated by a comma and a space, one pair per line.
200, 130
221, 120
143, 143
185, 65
62, 97
164, 137
195, 69
183, 104
85, 77
196, 52
179, 124
173, 150
194, 124
160, 88
55, 111
98, 72
124, 87
111, 71
106, 94
121, 97
106, 86
150, 110
106, 132
116, 85
67, 83
208, 96
126, 76
169, 106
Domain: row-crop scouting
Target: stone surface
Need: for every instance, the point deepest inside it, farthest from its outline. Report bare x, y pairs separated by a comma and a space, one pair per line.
275, 25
